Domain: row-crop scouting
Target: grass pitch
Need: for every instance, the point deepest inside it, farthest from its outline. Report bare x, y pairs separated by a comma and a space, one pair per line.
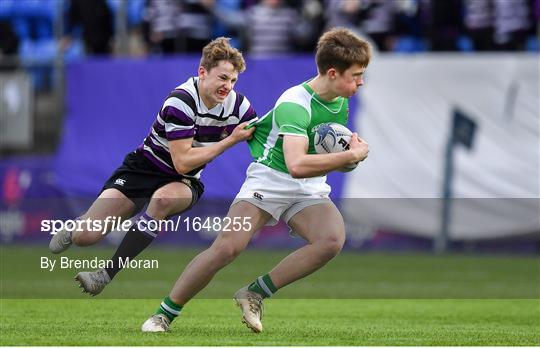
287, 322
358, 299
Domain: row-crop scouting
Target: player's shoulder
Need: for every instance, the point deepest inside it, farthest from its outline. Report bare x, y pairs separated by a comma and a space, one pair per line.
232, 101
186, 93
188, 87
232, 97
297, 95
236, 104
237, 97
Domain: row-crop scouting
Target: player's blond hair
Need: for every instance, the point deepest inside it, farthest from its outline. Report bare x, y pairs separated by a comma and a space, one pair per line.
340, 48
220, 49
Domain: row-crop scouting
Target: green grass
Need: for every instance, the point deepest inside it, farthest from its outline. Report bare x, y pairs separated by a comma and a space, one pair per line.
357, 299
287, 322
351, 275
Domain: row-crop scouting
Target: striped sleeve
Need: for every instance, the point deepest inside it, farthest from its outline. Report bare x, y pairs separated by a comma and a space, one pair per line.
178, 115
245, 110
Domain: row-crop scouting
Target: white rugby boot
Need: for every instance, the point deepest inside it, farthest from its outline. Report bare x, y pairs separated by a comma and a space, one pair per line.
156, 323
60, 241
252, 308
93, 282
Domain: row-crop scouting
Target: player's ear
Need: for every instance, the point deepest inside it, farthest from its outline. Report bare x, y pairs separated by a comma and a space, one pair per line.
202, 72
331, 73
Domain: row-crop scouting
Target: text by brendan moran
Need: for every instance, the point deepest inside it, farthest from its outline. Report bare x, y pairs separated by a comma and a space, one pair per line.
68, 263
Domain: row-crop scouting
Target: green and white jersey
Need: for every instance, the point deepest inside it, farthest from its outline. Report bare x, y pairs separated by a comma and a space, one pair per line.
296, 112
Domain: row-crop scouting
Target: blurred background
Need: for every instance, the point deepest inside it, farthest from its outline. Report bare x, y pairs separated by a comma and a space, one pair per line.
450, 108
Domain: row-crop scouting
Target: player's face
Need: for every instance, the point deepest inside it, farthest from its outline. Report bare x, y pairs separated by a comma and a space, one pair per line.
347, 83
217, 83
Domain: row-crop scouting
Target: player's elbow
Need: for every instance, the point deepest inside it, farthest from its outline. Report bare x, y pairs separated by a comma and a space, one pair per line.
296, 164
296, 171
181, 168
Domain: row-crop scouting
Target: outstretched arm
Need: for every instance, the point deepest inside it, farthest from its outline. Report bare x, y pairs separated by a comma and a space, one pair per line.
186, 158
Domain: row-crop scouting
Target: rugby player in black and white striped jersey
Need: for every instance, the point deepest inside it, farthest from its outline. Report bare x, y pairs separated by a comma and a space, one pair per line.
198, 121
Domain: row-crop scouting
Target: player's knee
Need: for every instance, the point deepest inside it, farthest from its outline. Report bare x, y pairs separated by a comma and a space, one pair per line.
332, 244
163, 204
226, 252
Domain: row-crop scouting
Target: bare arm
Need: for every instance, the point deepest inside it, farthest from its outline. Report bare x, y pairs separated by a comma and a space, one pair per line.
303, 165
186, 158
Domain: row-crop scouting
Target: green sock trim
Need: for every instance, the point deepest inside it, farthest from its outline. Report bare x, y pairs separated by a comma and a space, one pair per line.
263, 286
256, 288
165, 313
172, 304
169, 308
269, 283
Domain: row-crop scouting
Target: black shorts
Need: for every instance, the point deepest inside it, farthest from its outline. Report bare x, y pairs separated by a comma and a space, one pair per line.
138, 179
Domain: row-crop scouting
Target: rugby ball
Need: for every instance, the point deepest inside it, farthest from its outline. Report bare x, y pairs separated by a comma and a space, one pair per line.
332, 138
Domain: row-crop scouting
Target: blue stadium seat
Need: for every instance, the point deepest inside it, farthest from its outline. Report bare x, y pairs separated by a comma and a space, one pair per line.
465, 44
25, 48
28, 8
6, 8
44, 51
135, 9
43, 28
135, 12
114, 5
219, 29
34, 51
21, 26
34, 8
533, 44
409, 44
49, 9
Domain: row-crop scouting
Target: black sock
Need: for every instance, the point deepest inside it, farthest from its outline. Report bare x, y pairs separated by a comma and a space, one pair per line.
134, 242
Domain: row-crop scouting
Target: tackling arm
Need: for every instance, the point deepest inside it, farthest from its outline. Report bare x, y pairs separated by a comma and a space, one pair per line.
186, 158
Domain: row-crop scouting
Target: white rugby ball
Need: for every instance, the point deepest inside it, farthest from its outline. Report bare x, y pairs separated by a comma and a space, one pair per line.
332, 138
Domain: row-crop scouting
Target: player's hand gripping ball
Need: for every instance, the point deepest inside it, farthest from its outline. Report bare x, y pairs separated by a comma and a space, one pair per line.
332, 138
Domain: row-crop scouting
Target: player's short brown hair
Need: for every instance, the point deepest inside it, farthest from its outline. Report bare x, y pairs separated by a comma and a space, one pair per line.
220, 49
340, 48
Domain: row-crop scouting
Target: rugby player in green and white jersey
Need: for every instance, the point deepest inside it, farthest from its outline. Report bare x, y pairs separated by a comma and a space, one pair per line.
286, 181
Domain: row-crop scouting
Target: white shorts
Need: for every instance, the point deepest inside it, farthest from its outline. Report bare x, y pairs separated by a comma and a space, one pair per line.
279, 194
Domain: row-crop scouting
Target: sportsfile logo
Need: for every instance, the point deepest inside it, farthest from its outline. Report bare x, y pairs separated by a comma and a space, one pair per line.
152, 227
79, 225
